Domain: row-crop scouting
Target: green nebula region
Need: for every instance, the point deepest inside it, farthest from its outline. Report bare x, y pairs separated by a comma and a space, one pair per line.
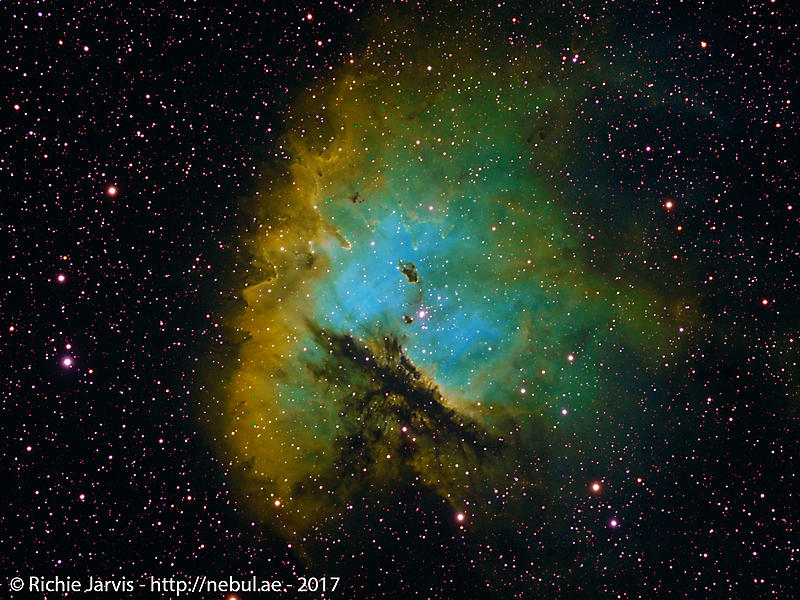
427, 312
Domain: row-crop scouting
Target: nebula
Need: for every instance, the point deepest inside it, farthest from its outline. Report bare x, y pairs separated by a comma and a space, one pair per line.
421, 308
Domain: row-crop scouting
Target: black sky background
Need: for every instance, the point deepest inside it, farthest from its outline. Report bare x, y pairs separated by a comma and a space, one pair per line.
121, 479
